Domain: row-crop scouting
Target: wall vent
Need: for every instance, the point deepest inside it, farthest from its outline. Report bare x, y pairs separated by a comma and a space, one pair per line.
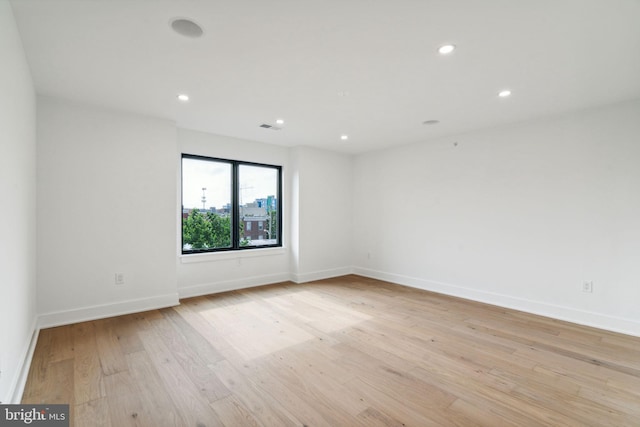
267, 126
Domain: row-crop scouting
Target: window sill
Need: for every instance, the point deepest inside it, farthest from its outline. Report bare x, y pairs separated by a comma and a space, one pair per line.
227, 255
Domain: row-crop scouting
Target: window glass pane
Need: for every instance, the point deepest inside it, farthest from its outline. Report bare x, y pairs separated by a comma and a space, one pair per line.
206, 204
258, 199
229, 204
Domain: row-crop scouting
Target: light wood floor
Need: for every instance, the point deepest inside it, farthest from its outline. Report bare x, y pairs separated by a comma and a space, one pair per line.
342, 352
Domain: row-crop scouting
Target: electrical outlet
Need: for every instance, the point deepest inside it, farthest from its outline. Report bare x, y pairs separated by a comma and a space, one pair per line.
587, 286
119, 278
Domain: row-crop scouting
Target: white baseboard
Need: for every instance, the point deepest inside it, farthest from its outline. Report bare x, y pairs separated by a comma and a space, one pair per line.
319, 275
253, 281
587, 318
231, 285
67, 317
16, 389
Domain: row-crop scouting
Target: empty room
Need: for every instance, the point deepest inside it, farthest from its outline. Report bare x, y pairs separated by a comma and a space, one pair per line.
320, 213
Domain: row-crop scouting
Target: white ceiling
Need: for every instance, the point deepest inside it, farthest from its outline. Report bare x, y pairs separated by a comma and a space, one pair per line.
265, 59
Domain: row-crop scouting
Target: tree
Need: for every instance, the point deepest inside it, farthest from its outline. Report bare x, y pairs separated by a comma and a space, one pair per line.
272, 224
196, 230
243, 240
210, 230
205, 231
220, 230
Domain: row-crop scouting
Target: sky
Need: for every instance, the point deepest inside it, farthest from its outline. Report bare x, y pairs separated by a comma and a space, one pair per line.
255, 183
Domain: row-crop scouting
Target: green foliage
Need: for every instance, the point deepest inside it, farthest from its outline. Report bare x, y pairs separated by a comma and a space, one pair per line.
243, 240
272, 224
206, 231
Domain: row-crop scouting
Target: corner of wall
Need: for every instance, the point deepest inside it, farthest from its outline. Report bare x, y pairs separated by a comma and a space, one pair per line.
18, 220
19, 381
321, 274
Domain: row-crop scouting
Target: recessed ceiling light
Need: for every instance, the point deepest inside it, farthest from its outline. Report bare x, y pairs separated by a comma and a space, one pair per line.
186, 27
344, 137
280, 121
183, 97
431, 122
504, 93
446, 49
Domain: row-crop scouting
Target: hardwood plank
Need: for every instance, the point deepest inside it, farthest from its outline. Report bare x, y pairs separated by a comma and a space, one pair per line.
191, 404
627, 384
109, 349
38, 376
344, 351
61, 344
268, 332
561, 401
422, 397
126, 332
180, 341
619, 361
94, 413
191, 312
389, 404
233, 413
58, 387
261, 405
485, 415
154, 397
522, 408
302, 402
374, 418
87, 372
299, 374
206, 352
125, 405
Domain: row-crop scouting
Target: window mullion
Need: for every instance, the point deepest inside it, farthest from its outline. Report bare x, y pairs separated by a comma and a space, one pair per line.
279, 207
235, 195
204, 231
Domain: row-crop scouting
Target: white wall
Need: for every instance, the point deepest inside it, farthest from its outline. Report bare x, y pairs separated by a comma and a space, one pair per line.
516, 216
106, 204
321, 214
317, 206
216, 272
18, 213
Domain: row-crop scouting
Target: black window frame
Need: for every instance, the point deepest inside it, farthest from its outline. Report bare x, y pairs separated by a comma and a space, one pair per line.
235, 205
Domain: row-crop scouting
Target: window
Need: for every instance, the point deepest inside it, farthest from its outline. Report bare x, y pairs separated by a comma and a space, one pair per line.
220, 200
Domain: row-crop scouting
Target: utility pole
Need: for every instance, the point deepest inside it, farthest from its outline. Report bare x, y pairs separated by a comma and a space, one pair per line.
242, 191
